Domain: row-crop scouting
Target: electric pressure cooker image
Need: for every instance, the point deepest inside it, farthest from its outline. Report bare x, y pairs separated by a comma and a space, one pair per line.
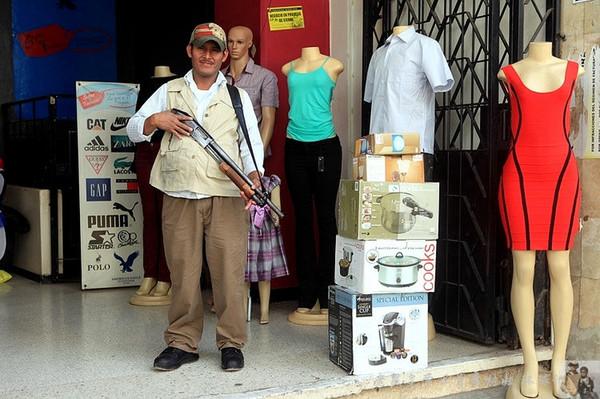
398, 270
391, 333
399, 212
346, 261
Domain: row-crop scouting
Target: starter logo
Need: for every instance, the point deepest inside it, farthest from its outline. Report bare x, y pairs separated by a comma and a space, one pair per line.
98, 125
101, 239
119, 123
127, 238
126, 265
97, 190
96, 162
96, 144
127, 186
121, 144
123, 166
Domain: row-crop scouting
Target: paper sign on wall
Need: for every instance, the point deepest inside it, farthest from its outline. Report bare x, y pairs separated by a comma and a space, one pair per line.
284, 18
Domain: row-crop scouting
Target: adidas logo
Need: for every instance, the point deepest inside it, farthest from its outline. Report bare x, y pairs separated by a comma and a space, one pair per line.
119, 123
96, 144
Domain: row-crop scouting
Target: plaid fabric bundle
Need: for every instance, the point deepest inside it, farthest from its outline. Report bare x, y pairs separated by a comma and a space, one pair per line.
266, 254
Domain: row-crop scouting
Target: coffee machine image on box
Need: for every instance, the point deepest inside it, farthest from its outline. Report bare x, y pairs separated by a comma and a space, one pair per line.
400, 211
345, 262
392, 331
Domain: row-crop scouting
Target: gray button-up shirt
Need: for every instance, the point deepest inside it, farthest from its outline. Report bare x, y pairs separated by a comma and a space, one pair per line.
259, 83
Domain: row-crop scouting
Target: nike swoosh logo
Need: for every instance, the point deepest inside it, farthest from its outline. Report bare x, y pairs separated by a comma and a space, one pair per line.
117, 126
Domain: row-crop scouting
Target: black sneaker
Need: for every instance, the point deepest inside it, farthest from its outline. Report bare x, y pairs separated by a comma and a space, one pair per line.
232, 359
171, 358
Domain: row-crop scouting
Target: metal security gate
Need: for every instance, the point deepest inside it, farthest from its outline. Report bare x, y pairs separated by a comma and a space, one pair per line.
472, 297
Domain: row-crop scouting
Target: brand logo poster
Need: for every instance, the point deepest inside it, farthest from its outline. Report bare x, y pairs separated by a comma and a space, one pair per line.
111, 214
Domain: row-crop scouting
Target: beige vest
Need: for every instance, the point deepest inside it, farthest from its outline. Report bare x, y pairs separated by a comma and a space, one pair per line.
183, 165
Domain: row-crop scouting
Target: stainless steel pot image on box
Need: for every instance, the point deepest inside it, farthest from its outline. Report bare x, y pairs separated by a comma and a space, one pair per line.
399, 212
398, 271
346, 262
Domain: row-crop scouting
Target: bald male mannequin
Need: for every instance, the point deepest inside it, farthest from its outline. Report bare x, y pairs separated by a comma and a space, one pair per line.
239, 43
261, 86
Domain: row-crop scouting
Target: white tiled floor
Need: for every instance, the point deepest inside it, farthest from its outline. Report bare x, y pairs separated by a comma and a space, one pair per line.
60, 342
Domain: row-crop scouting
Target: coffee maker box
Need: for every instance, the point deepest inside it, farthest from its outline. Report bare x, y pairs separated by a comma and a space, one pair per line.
387, 210
377, 333
392, 168
385, 266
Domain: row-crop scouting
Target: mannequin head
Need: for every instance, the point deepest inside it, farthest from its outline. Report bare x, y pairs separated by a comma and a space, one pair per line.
239, 42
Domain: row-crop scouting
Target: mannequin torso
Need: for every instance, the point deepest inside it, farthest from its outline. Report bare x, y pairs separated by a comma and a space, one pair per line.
311, 59
541, 71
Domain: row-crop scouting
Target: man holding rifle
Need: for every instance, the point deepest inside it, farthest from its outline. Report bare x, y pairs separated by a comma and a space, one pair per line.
200, 201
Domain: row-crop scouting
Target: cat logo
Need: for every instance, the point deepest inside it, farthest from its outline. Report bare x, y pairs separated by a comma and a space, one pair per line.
96, 124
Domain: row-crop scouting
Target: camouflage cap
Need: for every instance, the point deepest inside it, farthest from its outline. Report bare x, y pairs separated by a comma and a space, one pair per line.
206, 32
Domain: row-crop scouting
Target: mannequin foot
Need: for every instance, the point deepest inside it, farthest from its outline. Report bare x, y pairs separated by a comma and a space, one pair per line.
147, 284
558, 380
264, 318
161, 289
529, 382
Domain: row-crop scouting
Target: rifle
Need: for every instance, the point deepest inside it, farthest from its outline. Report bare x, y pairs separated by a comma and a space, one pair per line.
228, 165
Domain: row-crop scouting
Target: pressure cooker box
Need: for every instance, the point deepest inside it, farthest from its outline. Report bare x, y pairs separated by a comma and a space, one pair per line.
377, 333
384, 266
387, 210
392, 168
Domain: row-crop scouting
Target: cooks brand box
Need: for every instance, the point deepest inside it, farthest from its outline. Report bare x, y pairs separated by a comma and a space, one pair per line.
388, 144
385, 266
377, 333
392, 168
385, 210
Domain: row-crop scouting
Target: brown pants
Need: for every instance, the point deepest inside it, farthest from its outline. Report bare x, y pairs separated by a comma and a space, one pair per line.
223, 223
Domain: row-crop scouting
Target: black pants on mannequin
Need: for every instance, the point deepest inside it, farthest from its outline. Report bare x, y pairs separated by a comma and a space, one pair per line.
313, 171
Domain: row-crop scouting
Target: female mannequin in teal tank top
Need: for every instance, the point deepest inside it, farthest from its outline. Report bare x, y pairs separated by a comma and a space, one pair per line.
313, 160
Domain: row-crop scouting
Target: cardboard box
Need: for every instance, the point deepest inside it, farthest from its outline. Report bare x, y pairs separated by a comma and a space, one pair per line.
392, 168
388, 144
384, 210
385, 266
377, 333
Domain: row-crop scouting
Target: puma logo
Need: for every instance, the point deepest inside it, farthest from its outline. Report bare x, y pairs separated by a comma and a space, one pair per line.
122, 207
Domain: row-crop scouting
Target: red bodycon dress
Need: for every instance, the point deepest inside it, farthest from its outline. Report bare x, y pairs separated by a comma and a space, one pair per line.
539, 193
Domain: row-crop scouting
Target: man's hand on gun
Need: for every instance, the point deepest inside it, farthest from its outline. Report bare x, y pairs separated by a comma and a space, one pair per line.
172, 123
255, 177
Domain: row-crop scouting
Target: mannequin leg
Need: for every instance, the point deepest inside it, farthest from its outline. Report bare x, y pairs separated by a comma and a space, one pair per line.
264, 291
523, 309
561, 308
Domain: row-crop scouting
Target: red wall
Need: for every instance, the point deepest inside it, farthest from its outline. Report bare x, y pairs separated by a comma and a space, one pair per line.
274, 50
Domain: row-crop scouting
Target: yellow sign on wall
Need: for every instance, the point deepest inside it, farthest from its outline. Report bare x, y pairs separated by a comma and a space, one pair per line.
283, 18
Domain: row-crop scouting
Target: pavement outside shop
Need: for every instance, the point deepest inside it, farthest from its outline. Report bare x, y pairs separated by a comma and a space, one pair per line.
61, 342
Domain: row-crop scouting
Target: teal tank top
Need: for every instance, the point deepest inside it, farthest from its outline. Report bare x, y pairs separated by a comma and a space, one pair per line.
310, 117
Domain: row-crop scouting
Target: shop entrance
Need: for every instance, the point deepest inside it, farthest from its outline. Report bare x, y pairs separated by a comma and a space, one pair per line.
472, 298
